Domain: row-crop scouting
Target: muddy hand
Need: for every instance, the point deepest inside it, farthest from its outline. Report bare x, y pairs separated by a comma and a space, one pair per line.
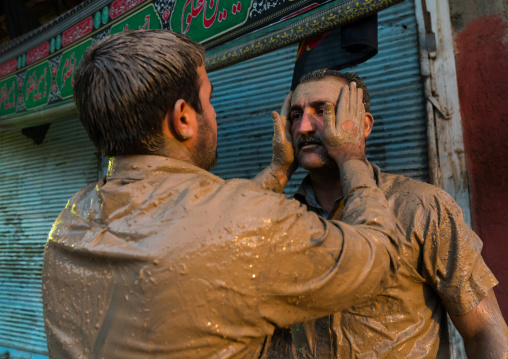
343, 135
283, 154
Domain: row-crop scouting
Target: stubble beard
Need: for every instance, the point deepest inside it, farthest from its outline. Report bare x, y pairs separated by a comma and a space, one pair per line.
205, 154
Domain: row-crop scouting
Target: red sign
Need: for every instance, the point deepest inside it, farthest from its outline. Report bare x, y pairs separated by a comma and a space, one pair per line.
78, 31
120, 7
38, 53
8, 67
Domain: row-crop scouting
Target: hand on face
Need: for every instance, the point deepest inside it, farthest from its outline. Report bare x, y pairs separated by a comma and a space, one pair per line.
283, 154
343, 129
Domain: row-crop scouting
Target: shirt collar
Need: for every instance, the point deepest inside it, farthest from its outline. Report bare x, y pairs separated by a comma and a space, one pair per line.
143, 166
377, 174
305, 193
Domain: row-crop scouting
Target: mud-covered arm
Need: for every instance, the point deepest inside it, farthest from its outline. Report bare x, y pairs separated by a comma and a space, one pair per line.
311, 267
484, 330
283, 164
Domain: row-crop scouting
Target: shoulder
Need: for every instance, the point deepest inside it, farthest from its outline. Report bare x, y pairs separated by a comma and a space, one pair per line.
429, 218
413, 195
394, 185
237, 197
81, 200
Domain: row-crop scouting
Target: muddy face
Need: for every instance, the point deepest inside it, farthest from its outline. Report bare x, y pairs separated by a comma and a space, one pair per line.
306, 116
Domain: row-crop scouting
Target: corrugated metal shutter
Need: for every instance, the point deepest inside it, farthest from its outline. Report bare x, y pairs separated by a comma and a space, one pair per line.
245, 94
36, 182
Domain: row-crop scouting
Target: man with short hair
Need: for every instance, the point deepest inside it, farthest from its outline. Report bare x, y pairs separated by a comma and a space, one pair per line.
162, 259
441, 271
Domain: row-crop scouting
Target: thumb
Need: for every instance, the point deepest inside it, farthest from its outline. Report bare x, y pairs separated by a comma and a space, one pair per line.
284, 112
278, 126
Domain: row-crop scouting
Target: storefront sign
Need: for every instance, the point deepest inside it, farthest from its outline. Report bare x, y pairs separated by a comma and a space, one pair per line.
68, 66
8, 96
39, 67
37, 85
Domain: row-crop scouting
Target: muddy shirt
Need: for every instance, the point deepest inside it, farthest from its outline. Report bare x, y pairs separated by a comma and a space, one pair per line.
441, 268
164, 260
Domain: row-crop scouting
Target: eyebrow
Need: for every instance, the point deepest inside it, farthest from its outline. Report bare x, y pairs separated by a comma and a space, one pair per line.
314, 104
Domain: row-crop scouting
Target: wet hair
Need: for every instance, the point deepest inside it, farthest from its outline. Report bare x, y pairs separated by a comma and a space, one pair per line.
126, 84
349, 77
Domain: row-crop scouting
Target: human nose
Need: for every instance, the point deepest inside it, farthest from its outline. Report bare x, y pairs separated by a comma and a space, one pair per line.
306, 124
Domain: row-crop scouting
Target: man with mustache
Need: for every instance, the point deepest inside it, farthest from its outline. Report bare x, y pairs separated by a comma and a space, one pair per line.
162, 259
442, 269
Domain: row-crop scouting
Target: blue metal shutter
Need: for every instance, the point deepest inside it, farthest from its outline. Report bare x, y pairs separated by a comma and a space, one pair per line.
36, 182
246, 93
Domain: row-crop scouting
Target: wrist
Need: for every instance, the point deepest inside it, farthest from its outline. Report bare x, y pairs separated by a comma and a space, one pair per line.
343, 158
283, 172
354, 174
348, 152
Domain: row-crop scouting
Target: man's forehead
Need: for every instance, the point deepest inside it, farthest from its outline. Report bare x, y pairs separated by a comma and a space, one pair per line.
326, 89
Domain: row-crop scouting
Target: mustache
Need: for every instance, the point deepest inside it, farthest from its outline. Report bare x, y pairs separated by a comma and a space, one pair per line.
311, 139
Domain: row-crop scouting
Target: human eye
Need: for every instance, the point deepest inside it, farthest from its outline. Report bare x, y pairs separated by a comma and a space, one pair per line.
295, 116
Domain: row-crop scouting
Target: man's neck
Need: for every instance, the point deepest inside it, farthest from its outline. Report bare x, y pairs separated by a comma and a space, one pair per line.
327, 187
175, 150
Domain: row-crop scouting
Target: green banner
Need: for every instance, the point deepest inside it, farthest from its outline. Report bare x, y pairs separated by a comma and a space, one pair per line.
144, 19
230, 30
203, 20
67, 69
8, 96
37, 85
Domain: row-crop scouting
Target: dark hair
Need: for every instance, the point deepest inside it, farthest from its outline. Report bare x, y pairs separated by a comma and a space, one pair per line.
349, 77
126, 84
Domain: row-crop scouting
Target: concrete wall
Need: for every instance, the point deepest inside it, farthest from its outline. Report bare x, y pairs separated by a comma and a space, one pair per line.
481, 51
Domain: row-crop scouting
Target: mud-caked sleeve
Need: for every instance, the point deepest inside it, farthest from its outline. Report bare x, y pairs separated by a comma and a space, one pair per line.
310, 267
452, 261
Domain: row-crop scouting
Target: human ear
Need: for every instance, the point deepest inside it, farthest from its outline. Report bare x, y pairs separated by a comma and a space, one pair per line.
183, 121
369, 122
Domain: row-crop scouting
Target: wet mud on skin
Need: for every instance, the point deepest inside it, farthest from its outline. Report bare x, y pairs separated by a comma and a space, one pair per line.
442, 269
167, 260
